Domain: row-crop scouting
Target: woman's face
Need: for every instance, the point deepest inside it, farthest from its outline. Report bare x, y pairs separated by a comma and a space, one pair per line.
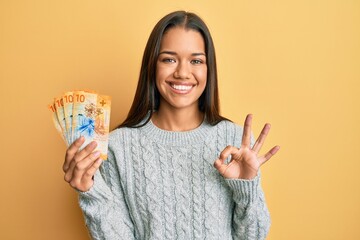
181, 70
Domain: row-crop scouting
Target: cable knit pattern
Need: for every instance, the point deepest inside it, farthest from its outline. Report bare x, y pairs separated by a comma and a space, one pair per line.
211, 191
197, 174
166, 170
223, 141
182, 200
151, 189
158, 184
138, 182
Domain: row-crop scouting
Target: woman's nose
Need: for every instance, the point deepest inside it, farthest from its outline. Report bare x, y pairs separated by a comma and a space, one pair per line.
182, 71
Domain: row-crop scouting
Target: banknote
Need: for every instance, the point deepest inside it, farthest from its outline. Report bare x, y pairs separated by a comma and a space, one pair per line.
54, 117
102, 124
59, 107
83, 113
68, 100
84, 107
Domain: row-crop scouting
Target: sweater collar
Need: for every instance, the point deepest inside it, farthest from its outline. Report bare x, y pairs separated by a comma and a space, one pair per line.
194, 136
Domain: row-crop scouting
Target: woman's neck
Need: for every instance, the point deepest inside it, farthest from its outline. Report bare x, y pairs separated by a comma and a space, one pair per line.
177, 120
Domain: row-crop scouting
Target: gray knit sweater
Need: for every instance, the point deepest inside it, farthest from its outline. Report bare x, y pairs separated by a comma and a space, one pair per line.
158, 184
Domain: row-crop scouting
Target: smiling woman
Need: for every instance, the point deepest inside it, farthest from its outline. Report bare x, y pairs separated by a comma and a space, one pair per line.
176, 168
181, 74
147, 97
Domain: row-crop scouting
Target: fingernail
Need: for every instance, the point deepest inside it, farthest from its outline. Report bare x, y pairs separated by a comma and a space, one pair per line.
96, 154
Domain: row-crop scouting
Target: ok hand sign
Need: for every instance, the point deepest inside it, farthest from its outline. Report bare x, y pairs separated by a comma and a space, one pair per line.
245, 162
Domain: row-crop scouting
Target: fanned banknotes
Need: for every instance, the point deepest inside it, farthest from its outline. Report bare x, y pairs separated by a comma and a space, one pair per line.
83, 113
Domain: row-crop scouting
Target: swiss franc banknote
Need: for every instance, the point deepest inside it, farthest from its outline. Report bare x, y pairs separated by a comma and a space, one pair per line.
83, 113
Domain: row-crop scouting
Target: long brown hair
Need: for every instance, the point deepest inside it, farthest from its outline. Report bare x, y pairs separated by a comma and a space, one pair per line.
147, 97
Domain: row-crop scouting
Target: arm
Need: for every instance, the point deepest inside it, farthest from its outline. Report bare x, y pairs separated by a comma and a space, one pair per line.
101, 196
251, 218
104, 207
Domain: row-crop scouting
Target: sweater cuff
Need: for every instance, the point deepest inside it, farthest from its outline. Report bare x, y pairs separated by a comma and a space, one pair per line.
245, 191
100, 191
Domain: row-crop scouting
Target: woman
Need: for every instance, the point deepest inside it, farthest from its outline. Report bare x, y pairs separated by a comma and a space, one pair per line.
176, 168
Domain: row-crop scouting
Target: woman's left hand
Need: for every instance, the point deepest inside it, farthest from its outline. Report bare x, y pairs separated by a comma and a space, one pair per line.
245, 162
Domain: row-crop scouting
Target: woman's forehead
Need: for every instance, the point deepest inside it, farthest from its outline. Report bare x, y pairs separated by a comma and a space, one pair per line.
182, 39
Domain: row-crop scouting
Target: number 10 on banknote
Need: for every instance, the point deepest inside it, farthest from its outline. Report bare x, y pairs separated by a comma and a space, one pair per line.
83, 113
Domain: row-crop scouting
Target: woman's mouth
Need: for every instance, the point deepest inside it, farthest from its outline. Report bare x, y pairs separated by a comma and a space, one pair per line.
181, 88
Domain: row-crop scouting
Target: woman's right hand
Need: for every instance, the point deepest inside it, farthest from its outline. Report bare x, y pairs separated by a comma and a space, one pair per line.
80, 166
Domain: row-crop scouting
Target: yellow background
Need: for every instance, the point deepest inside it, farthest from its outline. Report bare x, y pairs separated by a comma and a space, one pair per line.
295, 64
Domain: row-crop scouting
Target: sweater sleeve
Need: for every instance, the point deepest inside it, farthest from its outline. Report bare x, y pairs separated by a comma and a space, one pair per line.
251, 219
104, 208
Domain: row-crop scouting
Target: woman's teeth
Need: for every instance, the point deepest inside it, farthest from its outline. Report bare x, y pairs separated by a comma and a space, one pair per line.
181, 87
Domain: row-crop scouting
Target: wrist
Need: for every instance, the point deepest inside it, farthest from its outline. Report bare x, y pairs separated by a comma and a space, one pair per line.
248, 175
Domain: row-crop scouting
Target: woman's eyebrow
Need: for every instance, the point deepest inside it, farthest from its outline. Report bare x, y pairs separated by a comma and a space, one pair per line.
174, 53
168, 52
197, 54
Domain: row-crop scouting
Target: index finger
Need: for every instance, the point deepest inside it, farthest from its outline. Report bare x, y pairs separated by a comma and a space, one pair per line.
247, 131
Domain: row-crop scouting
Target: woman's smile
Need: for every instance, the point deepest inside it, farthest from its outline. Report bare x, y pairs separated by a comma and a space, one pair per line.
181, 88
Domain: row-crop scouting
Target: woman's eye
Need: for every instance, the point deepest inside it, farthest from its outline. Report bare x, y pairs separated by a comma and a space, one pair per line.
196, 61
168, 60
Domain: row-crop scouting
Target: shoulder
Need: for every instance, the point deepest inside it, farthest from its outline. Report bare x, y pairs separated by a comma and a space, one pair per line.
121, 132
236, 130
230, 131
229, 127
116, 137
118, 143
124, 135
118, 134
